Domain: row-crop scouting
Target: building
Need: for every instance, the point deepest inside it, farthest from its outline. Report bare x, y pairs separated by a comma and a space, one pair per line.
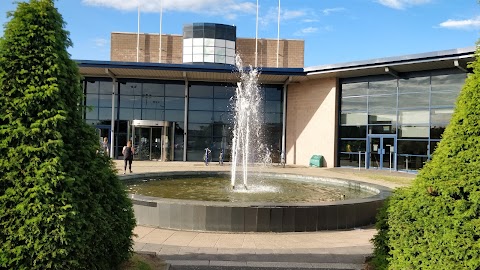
383, 113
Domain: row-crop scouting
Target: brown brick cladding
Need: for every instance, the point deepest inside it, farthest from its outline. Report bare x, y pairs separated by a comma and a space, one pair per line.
124, 48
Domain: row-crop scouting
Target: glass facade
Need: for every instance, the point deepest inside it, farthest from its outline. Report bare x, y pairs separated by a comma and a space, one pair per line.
209, 43
209, 113
388, 122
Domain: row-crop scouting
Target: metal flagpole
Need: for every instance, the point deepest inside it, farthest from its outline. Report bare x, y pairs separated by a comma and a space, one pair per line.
278, 35
256, 39
138, 28
160, 36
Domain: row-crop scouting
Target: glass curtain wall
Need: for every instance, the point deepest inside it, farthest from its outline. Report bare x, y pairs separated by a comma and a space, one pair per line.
209, 113
210, 120
415, 109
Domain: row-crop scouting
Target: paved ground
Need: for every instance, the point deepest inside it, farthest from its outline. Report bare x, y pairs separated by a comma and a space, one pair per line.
213, 250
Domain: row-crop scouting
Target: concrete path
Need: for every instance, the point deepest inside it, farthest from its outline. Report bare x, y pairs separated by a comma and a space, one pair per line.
301, 250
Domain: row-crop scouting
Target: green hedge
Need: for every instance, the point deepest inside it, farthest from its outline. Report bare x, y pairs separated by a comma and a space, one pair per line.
61, 205
435, 223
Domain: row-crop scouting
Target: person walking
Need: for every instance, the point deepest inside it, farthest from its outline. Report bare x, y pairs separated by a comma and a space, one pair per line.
206, 156
128, 152
105, 148
220, 158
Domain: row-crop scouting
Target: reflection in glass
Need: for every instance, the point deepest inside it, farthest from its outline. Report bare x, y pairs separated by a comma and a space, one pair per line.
92, 87
441, 115
354, 104
382, 103
273, 106
387, 117
200, 117
449, 82
414, 85
200, 104
174, 115
354, 89
92, 113
382, 87
130, 89
413, 117
273, 93
353, 118
413, 132
174, 103
411, 162
444, 99
153, 89
105, 88
417, 100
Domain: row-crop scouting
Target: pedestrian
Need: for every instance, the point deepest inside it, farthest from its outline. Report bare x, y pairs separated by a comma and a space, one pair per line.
128, 152
105, 148
206, 155
220, 158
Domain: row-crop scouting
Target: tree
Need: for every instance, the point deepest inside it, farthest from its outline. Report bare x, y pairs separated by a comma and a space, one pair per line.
435, 223
61, 205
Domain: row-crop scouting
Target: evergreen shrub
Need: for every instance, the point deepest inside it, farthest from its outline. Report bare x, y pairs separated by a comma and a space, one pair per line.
62, 206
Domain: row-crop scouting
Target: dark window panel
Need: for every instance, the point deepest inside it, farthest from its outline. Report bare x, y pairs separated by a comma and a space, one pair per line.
225, 92
203, 91
223, 117
131, 102
222, 105
153, 89
200, 104
174, 115
436, 131
382, 129
174, 90
149, 114
150, 102
414, 162
353, 131
353, 146
105, 113
273, 93
412, 147
130, 89
200, 117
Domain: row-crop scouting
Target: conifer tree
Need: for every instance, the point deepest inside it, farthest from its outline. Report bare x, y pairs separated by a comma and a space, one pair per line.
61, 205
435, 223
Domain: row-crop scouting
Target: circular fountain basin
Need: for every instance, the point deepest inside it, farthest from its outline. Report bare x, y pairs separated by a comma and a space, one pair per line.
353, 204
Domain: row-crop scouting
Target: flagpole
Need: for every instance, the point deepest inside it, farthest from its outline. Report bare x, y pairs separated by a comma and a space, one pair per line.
160, 36
278, 34
138, 28
256, 39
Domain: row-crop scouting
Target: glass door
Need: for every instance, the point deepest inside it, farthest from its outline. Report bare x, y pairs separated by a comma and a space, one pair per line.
142, 143
381, 151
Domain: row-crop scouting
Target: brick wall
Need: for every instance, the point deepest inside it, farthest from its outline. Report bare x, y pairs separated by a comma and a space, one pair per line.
124, 48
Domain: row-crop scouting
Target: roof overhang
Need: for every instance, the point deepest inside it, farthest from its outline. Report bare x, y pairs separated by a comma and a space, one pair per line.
162, 71
395, 66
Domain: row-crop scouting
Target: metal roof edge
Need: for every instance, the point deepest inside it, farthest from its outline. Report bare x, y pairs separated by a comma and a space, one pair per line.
412, 58
186, 67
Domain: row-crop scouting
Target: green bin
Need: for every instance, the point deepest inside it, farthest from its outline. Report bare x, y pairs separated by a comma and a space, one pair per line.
316, 161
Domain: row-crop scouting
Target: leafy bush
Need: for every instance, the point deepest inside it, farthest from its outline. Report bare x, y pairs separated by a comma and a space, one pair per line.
435, 223
61, 205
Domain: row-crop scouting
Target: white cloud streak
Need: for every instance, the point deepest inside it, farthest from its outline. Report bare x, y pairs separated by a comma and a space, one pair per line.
329, 11
402, 4
101, 42
461, 24
306, 31
226, 8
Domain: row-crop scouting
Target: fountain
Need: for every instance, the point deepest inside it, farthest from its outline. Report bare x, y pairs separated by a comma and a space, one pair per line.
187, 203
247, 133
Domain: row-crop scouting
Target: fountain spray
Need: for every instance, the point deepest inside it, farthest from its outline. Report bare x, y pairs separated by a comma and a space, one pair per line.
247, 144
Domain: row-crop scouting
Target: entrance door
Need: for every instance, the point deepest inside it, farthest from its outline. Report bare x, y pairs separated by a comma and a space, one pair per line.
150, 139
381, 151
104, 131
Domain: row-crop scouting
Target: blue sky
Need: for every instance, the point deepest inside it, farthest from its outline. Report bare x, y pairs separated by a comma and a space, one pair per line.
334, 31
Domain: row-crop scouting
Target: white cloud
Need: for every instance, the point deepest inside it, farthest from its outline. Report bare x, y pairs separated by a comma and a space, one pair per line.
292, 14
285, 15
226, 8
402, 4
306, 31
328, 11
101, 42
461, 24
